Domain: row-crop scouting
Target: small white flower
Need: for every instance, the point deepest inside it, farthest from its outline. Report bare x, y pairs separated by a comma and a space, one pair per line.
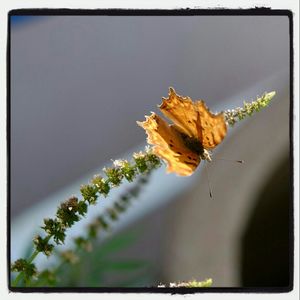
148, 149
120, 163
138, 155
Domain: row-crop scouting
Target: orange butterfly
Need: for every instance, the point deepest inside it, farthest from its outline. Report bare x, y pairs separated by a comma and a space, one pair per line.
195, 131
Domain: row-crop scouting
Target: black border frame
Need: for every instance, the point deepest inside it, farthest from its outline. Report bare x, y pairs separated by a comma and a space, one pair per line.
257, 11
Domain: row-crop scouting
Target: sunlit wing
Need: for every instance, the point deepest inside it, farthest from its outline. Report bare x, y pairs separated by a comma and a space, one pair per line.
181, 111
213, 127
169, 146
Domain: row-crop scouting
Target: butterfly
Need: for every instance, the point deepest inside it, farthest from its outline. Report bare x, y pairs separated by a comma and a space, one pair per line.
194, 132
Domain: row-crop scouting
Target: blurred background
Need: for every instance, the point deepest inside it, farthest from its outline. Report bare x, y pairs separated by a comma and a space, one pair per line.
78, 85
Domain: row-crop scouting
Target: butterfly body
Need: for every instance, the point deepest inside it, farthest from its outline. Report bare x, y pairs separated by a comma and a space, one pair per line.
194, 133
195, 146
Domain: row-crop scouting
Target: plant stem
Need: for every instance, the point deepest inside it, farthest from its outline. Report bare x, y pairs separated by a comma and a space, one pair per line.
30, 260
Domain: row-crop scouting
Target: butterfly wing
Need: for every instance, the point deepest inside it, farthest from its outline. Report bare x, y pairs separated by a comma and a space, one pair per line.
169, 146
212, 126
182, 112
194, 119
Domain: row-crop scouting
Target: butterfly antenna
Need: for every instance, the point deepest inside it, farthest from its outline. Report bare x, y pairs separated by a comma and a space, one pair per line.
210, 190
231, 160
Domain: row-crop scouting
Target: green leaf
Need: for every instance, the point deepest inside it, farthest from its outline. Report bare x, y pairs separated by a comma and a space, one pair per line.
116, 244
